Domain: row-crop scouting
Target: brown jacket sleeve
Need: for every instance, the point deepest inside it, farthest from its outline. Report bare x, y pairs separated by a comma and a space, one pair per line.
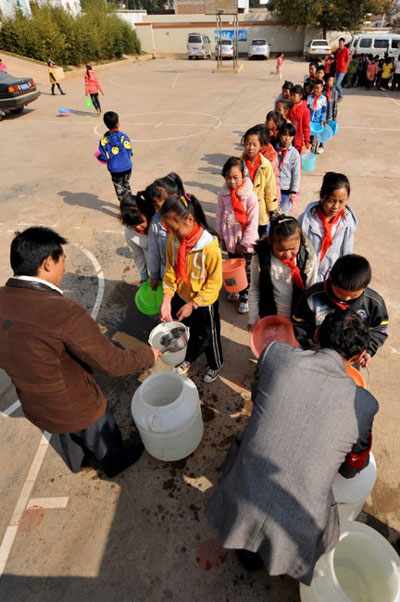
82, 337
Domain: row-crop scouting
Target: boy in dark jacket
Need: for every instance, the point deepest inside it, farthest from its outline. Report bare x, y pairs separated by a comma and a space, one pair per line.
115, 149
347, 289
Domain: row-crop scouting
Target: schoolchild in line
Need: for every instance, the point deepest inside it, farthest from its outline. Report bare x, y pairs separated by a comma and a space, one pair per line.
283, 106
372, 72
300, 117
273, 121
317, 105
115, 149
320, 73
330, 223
308, 88
283, 267
260, 172
237, 220
156, 194
332, 97
285, 93
289, 167
312, 73
136, 213
269, 153
192, 281
346, 289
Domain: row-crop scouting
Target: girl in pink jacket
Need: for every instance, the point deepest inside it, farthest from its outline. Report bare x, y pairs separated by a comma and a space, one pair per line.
92, 87
237, 220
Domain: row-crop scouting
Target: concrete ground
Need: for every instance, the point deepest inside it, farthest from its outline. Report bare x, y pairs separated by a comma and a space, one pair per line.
143, 535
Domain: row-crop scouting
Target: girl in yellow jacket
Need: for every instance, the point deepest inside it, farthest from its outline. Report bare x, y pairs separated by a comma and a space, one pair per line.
53, 78
260, 172
192, 280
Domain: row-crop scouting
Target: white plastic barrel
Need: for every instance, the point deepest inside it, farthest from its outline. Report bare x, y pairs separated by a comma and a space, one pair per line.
363, 567
166, 410
350, 494
168, 357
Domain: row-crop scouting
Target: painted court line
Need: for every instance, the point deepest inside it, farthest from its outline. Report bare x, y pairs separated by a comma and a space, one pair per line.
24, 497
48, 502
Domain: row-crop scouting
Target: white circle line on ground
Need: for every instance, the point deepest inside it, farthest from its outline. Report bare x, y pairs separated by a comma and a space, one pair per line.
208, 127
100, 280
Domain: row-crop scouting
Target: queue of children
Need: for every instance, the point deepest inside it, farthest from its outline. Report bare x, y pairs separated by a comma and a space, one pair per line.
369, 71
285, 258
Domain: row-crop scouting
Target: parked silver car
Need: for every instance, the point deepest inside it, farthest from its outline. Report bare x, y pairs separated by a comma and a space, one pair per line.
317, 49
259, 47
224, 49
198, 46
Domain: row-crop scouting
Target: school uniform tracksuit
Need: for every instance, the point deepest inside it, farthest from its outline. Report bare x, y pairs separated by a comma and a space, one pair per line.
204, 269
317, 115
289, 175
116, 150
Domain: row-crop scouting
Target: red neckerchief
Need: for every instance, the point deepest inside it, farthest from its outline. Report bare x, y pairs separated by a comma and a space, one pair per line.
166, 227
145, 232
253, 168
268, 152
295, 271
328, 93
238, 208
284, 152
186, 245
329, 295
327, 240
316, 101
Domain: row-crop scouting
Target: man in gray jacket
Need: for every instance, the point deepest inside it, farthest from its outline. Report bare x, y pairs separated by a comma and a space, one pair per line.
274, 503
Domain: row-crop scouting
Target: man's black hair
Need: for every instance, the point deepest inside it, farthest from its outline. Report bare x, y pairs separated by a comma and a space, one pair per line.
351, 272
30, 248
344, 332
110, 119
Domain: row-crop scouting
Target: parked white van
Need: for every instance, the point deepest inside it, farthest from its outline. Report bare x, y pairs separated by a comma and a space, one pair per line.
375, 43
198, 46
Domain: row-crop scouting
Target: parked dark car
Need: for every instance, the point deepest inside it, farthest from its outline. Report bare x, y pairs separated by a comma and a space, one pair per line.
16, 93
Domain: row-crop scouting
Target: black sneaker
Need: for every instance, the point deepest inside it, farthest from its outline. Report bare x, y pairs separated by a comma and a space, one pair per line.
116, 462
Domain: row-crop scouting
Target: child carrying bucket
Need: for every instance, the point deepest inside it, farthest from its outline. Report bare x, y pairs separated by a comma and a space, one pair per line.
283, 267
330, 223
93, 87
136, 213
156, 193
192, 281
237, 220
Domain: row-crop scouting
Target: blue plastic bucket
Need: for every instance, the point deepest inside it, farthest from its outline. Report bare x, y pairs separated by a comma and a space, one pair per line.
316, 128
308, 161
334, 126
326, 134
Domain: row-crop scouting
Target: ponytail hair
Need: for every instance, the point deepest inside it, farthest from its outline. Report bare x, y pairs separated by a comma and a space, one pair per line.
185, 205
283, 226
134, 207
171, 184
333, 181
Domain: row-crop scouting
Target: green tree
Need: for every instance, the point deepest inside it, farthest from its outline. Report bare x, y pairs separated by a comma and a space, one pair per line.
325, 14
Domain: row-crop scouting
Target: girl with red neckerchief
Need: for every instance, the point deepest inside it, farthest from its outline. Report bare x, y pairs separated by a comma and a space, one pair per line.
283, 267
260, 172
237, 220
330, 223
192, 281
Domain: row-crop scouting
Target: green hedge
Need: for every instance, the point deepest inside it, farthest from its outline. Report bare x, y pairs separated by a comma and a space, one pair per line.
96, 34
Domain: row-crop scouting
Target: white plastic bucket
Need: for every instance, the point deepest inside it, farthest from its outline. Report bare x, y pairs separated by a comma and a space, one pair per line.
166, 410
350, 494
168, 357
363, 567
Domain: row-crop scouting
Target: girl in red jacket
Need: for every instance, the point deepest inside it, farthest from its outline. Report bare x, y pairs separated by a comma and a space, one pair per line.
92, 87
300, 117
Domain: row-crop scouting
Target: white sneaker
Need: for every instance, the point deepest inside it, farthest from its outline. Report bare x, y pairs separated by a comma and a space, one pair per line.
320, 150
233, 296
243, 307
183, 368
211, 375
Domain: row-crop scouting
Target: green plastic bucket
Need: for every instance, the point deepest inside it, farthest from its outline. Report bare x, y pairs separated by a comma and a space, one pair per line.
149, 301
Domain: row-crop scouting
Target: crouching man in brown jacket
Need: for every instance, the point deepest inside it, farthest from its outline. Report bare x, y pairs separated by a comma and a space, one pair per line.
49, 346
